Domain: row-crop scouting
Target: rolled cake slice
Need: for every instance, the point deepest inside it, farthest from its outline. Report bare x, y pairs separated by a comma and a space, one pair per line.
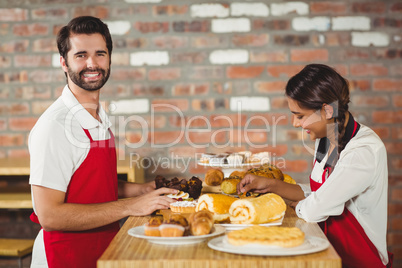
218, 204
262, 209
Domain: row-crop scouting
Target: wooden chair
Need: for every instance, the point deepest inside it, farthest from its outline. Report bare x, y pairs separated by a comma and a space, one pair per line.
16, 248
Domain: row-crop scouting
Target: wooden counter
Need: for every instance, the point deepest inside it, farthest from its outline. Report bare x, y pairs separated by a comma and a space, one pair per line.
127, 251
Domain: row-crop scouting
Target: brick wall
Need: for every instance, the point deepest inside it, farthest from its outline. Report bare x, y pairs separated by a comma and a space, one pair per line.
198, 76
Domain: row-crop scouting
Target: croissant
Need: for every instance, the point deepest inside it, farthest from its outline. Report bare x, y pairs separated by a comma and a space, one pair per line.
214, 177
201, 222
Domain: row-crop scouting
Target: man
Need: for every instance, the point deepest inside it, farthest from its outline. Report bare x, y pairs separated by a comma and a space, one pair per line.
73, 159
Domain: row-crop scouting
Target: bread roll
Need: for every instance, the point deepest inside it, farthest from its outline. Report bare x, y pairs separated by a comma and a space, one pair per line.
262, 209
214, 177
218, 204
229, 186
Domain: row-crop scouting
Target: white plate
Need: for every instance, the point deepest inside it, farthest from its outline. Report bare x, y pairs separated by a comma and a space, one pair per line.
231, 226
242, 165
311, 244
183, 240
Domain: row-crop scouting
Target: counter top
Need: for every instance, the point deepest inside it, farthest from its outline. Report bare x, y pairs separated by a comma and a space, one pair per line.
127, 251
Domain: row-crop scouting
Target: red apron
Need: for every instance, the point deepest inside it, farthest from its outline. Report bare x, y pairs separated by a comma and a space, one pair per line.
95, 181
347, 236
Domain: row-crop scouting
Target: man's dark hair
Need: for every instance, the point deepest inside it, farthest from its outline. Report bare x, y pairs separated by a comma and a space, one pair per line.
82, 25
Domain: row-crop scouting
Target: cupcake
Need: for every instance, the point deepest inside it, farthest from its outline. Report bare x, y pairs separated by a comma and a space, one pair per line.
151, 228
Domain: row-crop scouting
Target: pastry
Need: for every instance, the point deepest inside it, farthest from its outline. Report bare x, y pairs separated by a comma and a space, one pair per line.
249, 194
193, 186
183, 206
288, 179
262, 157
151, 228
246, 155
229, 186
262, 209
173, 226
218, 204
214, 177
238, 173
235, 159
201, 222
219, 159
206, 157
179, 196
272, 236
171, 230
267, 170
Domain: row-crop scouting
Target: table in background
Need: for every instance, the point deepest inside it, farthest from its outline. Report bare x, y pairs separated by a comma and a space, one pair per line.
127, 251
11, 198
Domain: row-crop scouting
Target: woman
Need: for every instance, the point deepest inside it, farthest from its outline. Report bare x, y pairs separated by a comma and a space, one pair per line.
348, 187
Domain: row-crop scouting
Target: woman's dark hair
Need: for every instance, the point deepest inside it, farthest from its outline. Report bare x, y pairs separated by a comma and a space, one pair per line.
317, 84
82, 25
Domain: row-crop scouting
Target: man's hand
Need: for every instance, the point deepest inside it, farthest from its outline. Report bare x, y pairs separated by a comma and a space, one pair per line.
149, 202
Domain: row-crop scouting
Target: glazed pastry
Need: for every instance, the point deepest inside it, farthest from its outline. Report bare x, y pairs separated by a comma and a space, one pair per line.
238, 173
201, 222
214, 177
272, 236
218, 204
229, 186
288, 179
262, 209
268, 171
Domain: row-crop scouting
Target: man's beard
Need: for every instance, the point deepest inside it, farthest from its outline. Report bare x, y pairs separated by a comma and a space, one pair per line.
89, 86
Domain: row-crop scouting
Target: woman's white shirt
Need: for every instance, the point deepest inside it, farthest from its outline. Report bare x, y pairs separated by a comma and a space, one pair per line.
359, 182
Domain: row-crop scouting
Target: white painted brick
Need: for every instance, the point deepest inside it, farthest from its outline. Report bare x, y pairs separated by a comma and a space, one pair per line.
249, 9
143, 1
231, 25
120, 27
350, 23
135, 106
209, 10
56, 60
311, 24
289, 7
149, 58
321, 39
254, 104
230, 56
365, 39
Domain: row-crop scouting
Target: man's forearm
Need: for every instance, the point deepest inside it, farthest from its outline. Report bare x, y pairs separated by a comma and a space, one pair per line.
80, 217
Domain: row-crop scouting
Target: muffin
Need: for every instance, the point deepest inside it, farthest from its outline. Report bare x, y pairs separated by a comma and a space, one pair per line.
151, 228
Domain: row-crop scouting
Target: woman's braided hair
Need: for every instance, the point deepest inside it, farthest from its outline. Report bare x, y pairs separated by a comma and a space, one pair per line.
317, 84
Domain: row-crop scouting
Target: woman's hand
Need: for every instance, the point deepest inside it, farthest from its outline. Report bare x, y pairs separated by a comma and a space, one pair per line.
254, 183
